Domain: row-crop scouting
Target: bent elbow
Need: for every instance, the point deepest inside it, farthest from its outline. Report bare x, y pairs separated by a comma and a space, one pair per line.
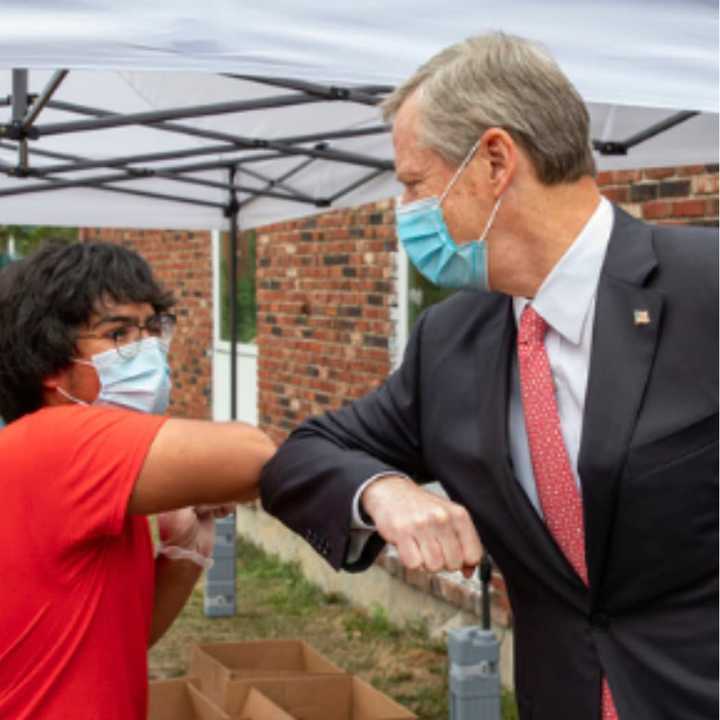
266, 447
265, 455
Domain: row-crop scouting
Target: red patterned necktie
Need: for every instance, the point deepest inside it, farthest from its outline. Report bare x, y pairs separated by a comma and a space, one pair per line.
558, 493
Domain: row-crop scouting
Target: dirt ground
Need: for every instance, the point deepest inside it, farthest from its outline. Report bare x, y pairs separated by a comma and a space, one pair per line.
275, 601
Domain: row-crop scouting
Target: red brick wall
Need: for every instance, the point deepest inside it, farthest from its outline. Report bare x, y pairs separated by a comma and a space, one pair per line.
182, 262
325, 288
666, 195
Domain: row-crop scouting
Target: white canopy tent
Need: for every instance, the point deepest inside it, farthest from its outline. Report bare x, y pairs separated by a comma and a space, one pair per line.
304, 133
192, 115
152, 127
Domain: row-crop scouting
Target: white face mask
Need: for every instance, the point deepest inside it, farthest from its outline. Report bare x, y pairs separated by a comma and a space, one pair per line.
141, 382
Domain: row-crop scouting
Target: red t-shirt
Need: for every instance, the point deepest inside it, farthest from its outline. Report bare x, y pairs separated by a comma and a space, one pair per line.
76, 572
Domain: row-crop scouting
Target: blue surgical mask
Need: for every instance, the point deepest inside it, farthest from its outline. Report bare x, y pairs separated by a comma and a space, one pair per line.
140, 382
422, 229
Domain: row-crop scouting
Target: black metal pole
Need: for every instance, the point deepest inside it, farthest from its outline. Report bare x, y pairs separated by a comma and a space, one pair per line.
284, 176
232, 211
245, 143
44, 98
132, 159
19, 111
131, 174
224, 137
328, 92
275, 182
157, 116
220, 592
485, 577
19, 95
358, 183
190, 152
659, 127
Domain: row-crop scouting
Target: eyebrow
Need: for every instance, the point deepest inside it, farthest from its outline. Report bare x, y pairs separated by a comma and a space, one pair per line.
127, 319
408, 176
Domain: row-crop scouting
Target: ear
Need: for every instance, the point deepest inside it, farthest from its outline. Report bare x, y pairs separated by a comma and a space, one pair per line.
501, 154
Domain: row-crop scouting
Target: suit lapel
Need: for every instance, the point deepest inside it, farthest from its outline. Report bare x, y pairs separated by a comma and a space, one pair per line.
627, 323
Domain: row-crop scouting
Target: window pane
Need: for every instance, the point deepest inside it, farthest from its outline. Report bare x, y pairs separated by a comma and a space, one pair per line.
422, 294
246, 299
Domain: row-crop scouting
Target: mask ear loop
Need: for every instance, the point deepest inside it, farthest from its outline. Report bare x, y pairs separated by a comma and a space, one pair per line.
490, 220
485, 232
66, 394
458, 172
70, 397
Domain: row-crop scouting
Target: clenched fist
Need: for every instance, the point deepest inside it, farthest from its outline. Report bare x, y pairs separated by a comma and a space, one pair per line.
430, 532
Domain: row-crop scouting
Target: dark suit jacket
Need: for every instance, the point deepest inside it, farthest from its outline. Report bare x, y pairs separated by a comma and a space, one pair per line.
648, 466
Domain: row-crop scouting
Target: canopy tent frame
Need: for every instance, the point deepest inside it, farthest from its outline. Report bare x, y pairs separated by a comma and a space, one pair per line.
27, 107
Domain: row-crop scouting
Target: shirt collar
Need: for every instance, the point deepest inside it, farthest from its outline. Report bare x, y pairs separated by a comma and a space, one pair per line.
565, 296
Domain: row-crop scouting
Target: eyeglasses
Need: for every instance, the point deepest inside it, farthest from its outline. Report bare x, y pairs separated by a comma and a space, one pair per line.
126, 336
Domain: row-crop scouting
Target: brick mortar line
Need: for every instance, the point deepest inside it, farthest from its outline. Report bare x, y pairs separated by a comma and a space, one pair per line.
333, 343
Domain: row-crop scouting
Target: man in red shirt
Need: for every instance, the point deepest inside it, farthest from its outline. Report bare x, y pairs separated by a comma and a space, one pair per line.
86, 455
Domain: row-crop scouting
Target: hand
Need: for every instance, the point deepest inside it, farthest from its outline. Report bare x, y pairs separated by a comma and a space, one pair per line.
218, 511
191, 528
429, 531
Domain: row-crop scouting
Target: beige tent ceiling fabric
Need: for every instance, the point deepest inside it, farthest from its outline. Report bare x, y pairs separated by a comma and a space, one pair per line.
636, 62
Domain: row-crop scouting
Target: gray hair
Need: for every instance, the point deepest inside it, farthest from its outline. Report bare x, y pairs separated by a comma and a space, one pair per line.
498, 80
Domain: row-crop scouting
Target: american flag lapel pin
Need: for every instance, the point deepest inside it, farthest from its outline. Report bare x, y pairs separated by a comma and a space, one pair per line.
641, 317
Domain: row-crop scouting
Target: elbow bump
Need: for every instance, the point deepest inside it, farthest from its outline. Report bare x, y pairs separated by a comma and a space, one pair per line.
267, 447
264, 439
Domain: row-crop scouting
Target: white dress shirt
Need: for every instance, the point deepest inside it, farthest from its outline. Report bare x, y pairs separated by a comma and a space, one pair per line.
566, 301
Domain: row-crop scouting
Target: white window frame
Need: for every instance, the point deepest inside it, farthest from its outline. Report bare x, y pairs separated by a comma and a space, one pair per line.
220, 345
400, 313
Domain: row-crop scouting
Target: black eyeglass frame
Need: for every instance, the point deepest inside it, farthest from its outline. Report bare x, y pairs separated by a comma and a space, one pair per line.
161, 325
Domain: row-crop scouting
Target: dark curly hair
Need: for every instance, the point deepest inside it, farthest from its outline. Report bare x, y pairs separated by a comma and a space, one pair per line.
46, 297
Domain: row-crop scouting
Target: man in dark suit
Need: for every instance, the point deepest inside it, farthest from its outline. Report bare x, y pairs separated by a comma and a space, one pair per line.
570, 413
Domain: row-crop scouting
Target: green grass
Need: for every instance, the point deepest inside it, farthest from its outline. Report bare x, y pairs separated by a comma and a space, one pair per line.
275, 600
369, 625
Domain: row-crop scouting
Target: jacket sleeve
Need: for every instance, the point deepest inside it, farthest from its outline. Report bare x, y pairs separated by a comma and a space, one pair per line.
310, 483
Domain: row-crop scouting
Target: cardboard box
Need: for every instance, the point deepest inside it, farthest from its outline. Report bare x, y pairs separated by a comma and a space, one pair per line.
182, 700
313, 697
219, 663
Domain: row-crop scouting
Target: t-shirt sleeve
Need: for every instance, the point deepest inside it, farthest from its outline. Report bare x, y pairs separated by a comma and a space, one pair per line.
87, 462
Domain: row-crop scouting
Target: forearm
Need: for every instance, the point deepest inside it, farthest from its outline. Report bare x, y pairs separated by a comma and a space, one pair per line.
174, 581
